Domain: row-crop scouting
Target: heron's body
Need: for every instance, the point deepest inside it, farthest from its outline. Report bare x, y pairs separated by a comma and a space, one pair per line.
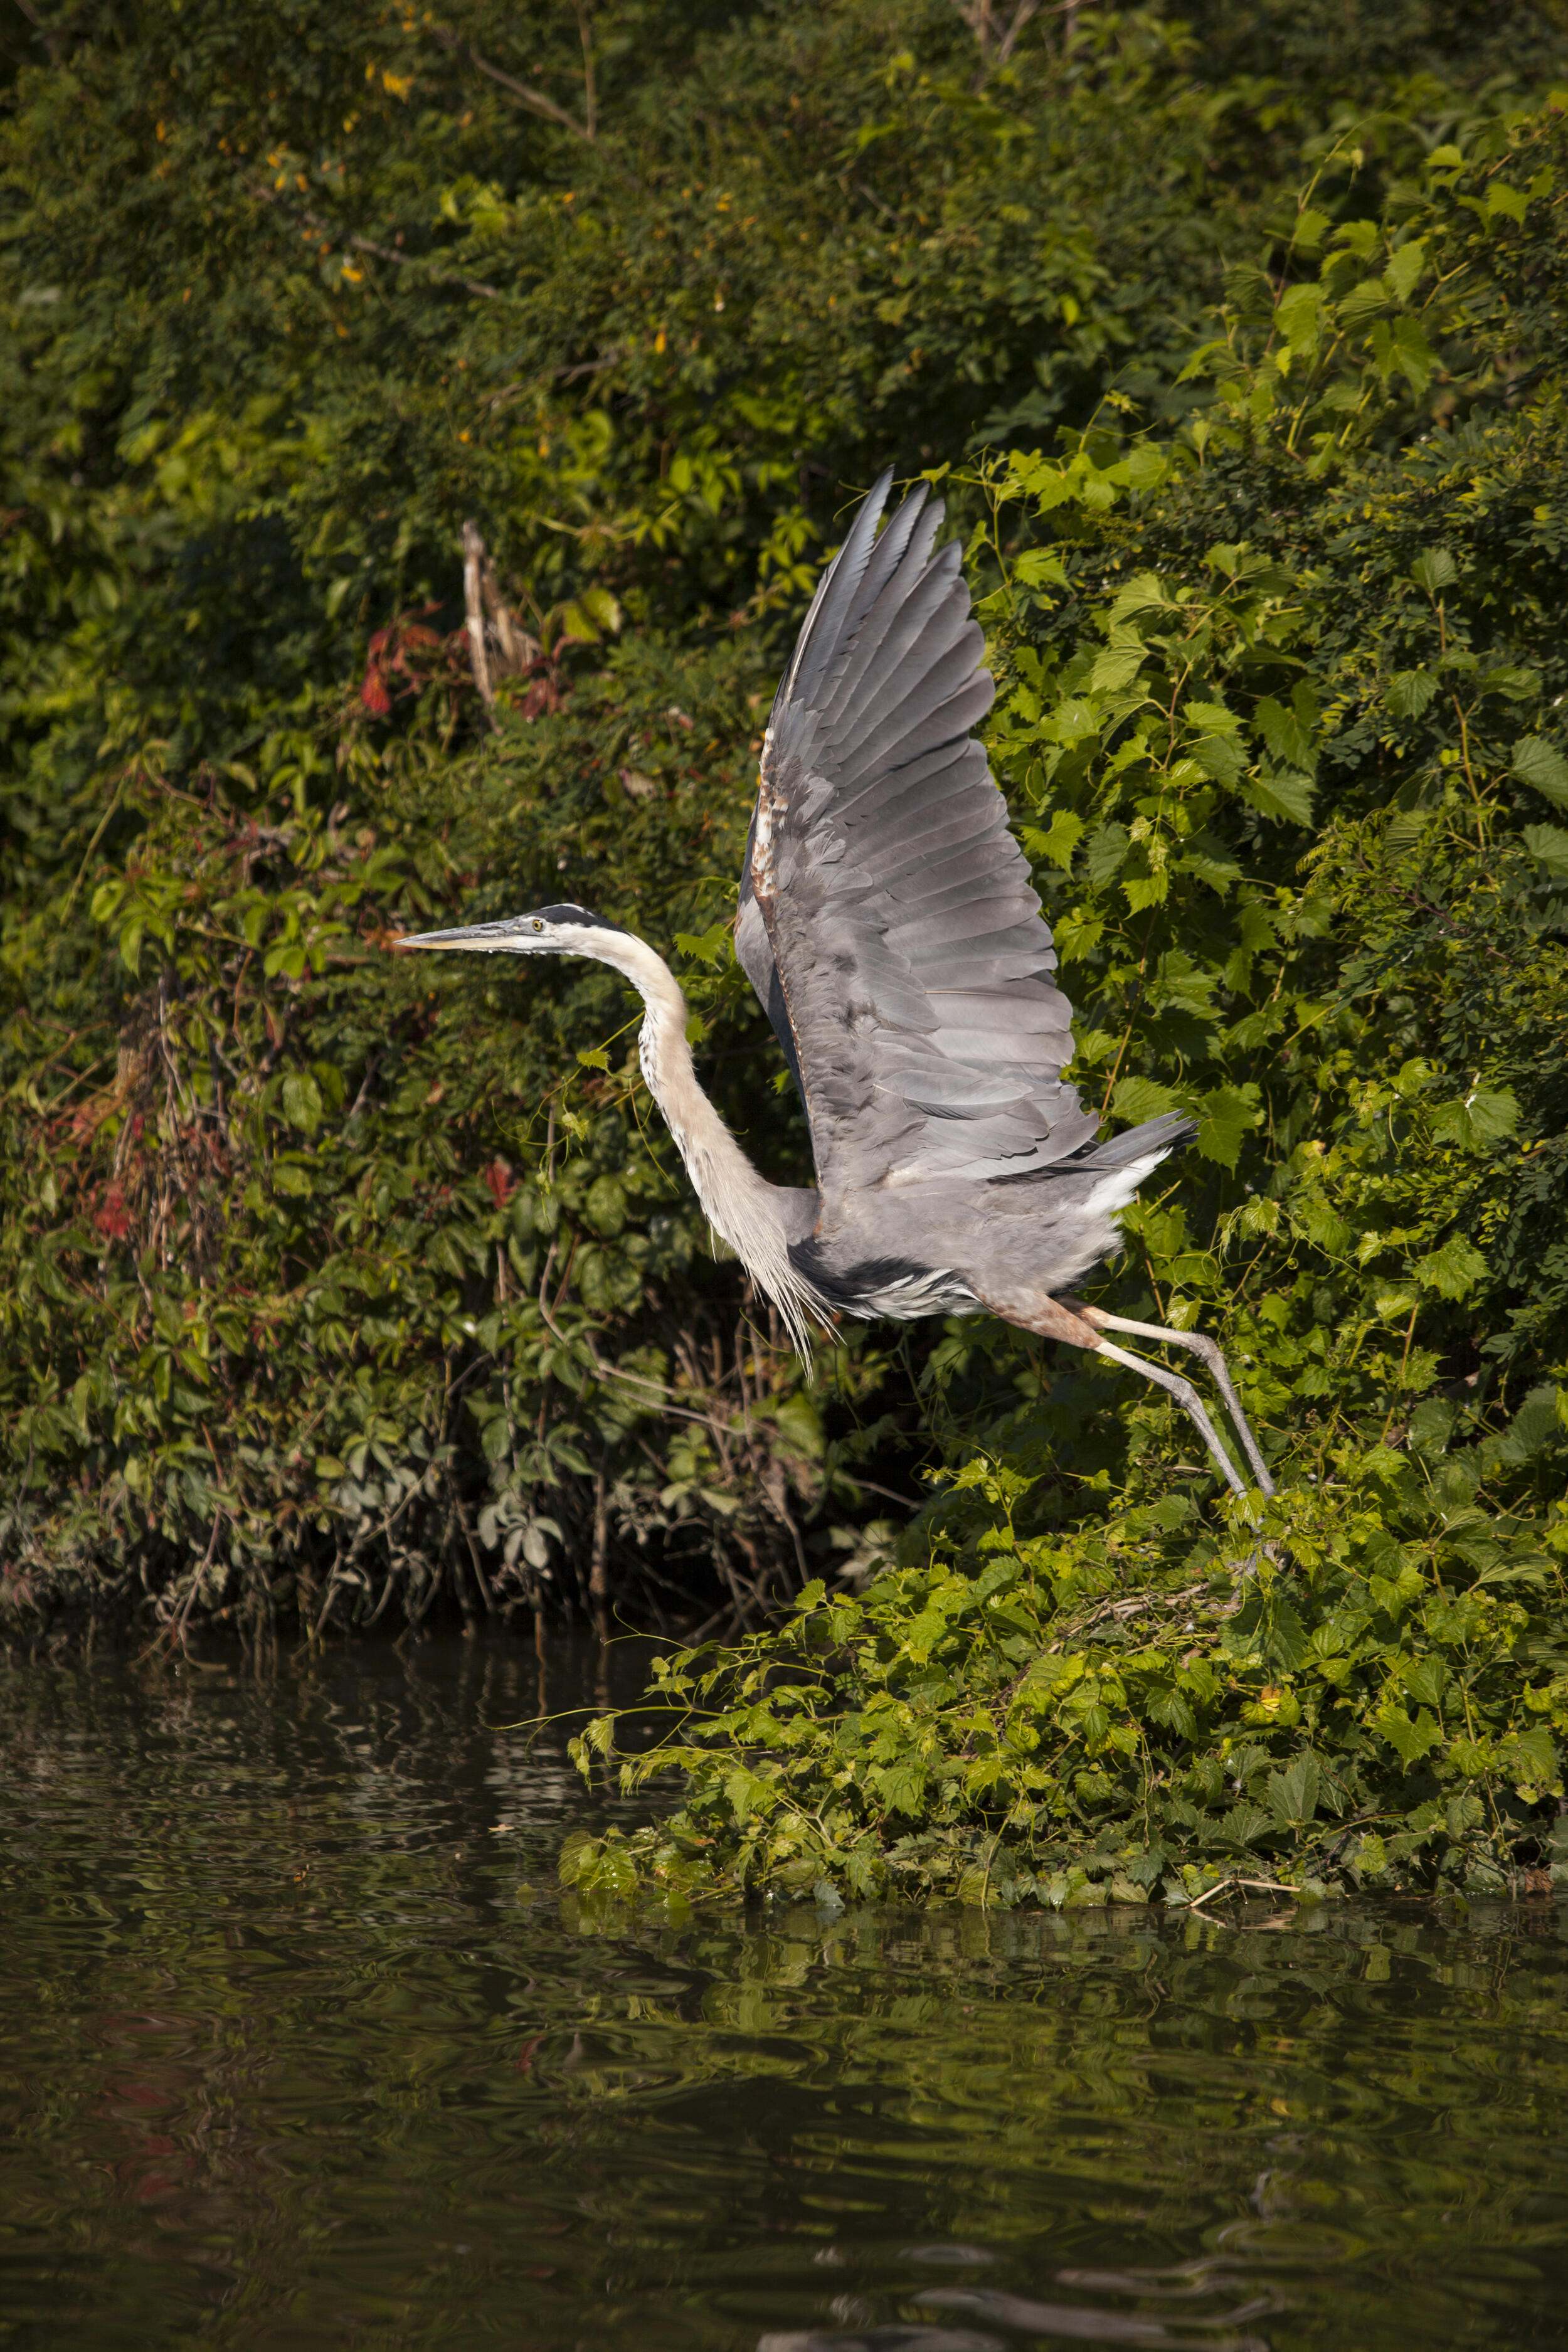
1023, 1241
888, 925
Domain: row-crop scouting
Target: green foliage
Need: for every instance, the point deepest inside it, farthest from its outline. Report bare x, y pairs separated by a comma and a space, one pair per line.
1287, 787
330, 1285
315, 1269
1108, 1716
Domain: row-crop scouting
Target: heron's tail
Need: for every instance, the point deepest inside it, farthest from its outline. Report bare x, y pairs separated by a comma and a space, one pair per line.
1152, 1140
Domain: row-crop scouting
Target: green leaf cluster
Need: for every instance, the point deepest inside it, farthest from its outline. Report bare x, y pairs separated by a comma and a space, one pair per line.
1371, 1689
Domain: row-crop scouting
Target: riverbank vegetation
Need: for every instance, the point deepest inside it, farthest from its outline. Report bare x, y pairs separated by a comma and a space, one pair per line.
335, 1292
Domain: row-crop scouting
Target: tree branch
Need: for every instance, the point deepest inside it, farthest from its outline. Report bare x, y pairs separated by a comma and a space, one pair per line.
997, 33
473, 574
984, 19
496, 643
533, 99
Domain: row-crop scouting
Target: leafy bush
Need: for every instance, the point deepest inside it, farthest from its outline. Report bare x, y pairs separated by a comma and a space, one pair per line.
1092, 1716
333, 1290
324, 1297
1285, 712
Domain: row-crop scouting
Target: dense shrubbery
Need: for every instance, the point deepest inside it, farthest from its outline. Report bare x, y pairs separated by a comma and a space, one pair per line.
310, 1268
1090, 1716
331, 1286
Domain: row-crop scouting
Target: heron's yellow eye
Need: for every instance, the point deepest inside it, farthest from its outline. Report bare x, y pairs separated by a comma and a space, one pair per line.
537, 924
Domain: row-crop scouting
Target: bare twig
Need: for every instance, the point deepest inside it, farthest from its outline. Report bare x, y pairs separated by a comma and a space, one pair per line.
614, 1372
590, 93
174, 1628
473, 605
1218, 1887
534, 101
598, 1565
1136, 1604
497, 643
996, 32
479, 1577
1224, 1885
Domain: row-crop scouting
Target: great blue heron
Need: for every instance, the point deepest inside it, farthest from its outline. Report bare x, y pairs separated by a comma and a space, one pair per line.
888, 923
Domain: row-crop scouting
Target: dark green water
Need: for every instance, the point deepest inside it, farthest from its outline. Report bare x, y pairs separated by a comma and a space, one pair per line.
298, 2047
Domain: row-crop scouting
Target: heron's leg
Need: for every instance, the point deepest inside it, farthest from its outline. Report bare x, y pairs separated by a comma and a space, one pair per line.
1209, 1351
1065, 1320
1187, 1397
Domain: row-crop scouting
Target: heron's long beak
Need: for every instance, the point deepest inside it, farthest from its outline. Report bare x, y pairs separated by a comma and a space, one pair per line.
479, 938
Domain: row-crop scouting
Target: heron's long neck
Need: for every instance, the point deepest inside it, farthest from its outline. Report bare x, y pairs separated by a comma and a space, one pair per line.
737, 1199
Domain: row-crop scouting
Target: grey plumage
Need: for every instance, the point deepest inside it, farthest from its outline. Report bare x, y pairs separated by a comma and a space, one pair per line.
888, 925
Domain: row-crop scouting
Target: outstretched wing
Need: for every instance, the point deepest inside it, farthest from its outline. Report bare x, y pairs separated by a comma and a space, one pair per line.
887, 919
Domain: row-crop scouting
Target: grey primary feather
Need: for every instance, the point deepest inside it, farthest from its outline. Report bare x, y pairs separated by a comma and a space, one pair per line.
888, 921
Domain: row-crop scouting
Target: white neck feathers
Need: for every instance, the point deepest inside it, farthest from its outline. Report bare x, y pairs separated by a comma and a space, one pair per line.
739, 1203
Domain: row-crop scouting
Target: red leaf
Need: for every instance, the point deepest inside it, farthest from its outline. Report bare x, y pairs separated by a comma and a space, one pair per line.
112, 1216
540, 699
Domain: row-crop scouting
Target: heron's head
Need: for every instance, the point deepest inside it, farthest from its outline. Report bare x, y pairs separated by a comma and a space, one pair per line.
549, 930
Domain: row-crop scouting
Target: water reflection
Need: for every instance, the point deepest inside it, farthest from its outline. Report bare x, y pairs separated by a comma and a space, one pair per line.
300, 2046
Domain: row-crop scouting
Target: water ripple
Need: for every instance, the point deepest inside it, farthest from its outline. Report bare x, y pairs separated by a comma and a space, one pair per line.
299, 2046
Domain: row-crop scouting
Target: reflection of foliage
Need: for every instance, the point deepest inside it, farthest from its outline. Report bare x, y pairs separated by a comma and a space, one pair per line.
305, 1993
324, 1295
1292, 792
